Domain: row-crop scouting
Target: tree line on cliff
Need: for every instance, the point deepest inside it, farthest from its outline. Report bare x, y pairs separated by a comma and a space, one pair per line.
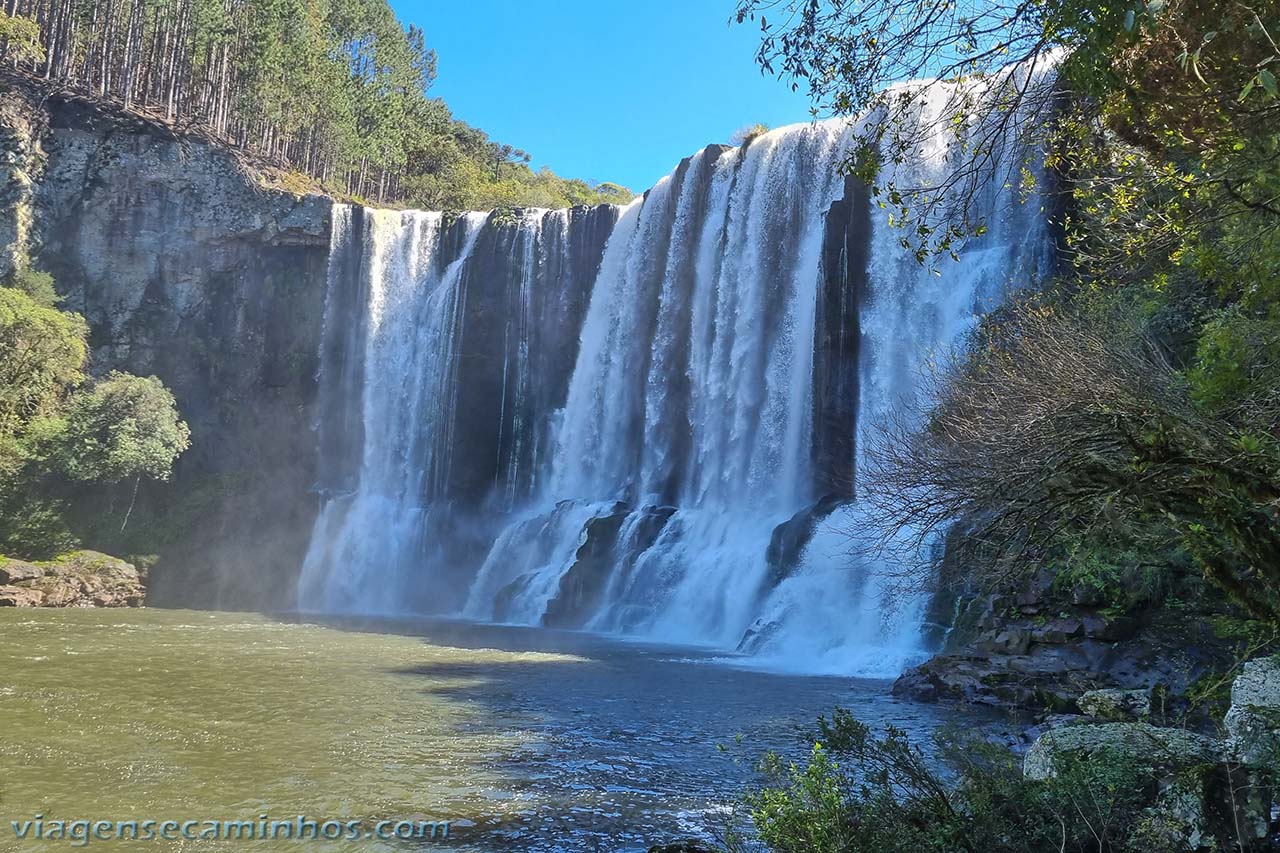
334, 89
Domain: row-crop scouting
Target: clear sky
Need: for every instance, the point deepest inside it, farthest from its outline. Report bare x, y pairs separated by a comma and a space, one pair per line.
607, 90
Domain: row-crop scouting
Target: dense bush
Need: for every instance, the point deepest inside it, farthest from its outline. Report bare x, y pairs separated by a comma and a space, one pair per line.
863, 792
61, 430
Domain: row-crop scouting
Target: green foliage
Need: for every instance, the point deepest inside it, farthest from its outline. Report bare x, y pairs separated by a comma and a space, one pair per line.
1126, 568
36, 284
1236, 358
22, 38
808, 810
121, 427
33, 527
863, 792
42, 353
59, 431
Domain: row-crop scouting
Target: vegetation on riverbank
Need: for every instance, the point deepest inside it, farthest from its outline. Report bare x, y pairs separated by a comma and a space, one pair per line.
63, 433
1114, 787
334, 91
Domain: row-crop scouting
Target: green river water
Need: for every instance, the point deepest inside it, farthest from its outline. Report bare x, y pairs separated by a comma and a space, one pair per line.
523, 739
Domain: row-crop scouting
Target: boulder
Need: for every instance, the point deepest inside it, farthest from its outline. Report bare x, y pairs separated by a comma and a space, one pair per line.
1014, 641
1157, 749
16, 571
17, 596
1253, 720
1177, 820
1058, 631
1047, 681
81, 579
1116, 705
1035, 593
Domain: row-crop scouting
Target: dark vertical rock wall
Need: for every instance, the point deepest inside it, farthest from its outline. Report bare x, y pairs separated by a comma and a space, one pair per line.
525, 290
846, 250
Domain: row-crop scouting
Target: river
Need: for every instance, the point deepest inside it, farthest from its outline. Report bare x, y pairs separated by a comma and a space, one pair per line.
524, 739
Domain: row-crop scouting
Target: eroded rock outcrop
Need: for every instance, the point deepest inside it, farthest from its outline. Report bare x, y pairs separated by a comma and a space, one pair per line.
1209, 793
1146, 746
1116, 705
1253, 720
78, 579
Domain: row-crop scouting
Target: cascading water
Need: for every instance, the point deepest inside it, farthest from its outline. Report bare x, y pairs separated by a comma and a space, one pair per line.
692, 391
444, 341
644, 421
846, 612
409, 330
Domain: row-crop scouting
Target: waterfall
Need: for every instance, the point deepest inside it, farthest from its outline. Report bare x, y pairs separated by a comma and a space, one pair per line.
648, 420
410, 326
846, 612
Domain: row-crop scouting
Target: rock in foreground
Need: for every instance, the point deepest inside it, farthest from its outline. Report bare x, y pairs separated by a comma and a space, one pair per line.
1144, 744
1253, 721
78, 579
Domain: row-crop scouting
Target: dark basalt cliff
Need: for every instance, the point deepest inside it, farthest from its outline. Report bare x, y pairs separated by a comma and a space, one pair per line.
188, 269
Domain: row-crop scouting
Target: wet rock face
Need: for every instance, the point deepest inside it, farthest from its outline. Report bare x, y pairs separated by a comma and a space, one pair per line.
583, 585
519, 297
790, 538
79, 579
187, 269
837, 333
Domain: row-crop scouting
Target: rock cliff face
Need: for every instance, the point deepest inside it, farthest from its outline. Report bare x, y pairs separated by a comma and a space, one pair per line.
187, 269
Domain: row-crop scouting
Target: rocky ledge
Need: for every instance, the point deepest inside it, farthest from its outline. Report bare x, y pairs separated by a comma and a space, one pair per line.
1041, 650
79, 579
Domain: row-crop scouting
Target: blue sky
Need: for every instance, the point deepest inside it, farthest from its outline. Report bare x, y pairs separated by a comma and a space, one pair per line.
602, 89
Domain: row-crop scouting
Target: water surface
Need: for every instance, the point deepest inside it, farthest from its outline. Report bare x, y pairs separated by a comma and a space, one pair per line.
526, 739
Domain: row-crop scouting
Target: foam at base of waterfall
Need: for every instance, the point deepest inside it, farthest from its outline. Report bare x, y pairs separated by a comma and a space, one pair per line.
694, 585
843, 610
